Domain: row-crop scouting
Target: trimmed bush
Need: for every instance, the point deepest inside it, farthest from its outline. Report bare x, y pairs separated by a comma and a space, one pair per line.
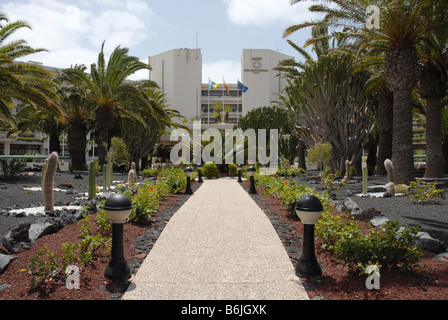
233, 169
210, 170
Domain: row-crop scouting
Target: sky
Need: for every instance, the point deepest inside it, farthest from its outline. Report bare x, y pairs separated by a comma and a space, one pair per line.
73, 30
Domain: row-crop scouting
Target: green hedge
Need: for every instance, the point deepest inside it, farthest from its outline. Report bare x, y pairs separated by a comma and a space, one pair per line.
391, 247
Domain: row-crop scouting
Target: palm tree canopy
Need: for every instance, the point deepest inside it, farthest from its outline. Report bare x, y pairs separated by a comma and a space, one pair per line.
23, 82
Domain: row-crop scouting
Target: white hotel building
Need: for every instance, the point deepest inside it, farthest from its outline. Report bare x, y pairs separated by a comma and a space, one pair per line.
178, 72
179, 75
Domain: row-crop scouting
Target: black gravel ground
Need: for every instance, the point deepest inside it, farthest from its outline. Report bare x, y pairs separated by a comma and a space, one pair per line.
14, 196
432, 218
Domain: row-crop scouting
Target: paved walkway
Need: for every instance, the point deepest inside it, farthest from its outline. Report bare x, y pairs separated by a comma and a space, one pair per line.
219, 245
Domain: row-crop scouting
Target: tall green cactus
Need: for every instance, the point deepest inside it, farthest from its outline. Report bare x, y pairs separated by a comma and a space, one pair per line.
131, 178
52, 164
106, 178
110, 171
44, 168
92, 180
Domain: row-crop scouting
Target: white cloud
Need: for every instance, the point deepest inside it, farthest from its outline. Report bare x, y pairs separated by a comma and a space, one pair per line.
73, 31
267, 12
217, 70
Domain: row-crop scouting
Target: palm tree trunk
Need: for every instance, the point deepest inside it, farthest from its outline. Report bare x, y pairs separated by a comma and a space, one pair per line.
77, 142
384, 124
103, 122
302, 160
54, 144
402, 148
435, 161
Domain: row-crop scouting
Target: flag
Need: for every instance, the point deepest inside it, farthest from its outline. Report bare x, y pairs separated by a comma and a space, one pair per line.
242, 87
213, 85
227, 88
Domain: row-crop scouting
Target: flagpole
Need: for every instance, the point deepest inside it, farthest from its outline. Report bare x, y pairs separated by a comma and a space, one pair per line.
237, 105
222, 111
208, 106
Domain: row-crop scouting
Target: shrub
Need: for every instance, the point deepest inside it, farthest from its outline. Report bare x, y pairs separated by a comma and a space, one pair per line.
210, 170
424, 192
150, 172
118, 153
12, 167
321, 154
233, 169
392, 247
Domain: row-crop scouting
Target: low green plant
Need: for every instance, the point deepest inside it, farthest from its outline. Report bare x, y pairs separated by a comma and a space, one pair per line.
392, 247
45, 266
331, 186
12, 167
424, 192
150, 172
210, 170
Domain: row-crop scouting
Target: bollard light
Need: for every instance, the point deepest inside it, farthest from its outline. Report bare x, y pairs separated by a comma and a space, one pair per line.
199, 166
309, 209
239, 167
118, 208
251, 173
188, 172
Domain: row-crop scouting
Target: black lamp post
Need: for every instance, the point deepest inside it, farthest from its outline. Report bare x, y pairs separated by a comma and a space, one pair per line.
188, 172
239, 167
251, 172
118, 208
309, 209
199, 166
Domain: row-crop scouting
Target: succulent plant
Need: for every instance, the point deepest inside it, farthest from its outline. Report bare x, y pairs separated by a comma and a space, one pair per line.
52, 164
131, 178
365, 173
92, 180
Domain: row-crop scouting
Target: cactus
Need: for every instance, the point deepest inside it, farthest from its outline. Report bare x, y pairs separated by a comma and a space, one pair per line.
347, 172
44, 168
390, 170
110, 171
50, 170
364, 177
92, 180
390, 176
131, 178
106, 178
135, 172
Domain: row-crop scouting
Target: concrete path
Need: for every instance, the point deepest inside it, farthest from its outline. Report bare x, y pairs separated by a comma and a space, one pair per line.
218, 246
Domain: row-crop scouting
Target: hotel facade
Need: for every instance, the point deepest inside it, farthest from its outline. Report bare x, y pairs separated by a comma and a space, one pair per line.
179, 75
178, 72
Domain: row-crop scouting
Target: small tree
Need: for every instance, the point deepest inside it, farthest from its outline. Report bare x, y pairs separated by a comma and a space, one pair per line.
321, 154
118, 153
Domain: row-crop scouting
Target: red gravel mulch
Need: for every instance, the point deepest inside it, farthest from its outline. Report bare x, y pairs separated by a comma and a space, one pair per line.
336, 283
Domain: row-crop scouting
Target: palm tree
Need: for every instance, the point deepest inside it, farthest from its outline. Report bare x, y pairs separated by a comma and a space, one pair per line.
80, 115
433, 87
141, 140
27, 83
109, 90
403, 24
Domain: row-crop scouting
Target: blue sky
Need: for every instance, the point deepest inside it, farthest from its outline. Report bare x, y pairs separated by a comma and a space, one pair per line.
73, 31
